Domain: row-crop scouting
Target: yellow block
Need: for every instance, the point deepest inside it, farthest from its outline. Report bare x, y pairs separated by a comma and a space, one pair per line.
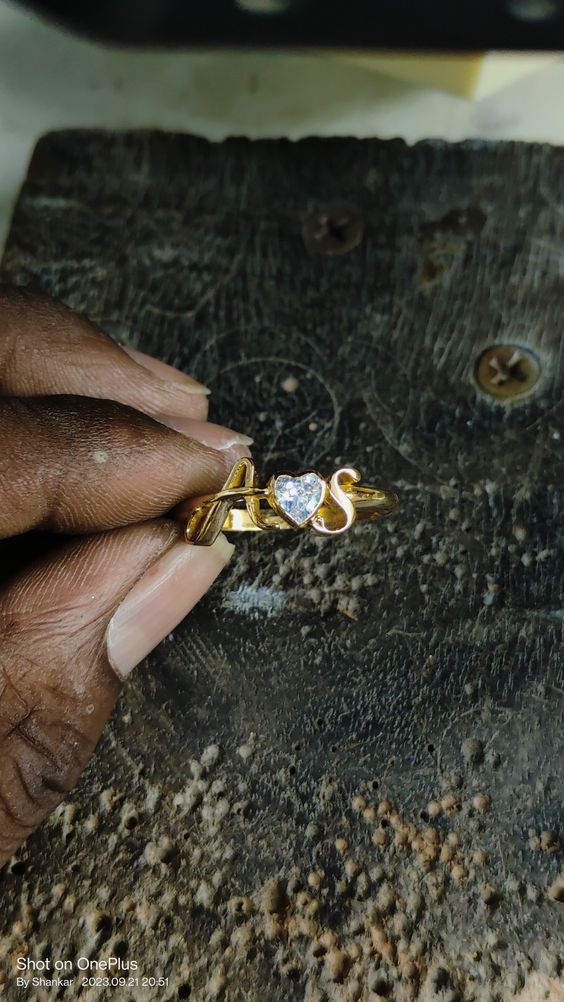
472, 75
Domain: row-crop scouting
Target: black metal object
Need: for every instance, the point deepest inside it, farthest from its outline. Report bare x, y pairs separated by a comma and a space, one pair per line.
413, 24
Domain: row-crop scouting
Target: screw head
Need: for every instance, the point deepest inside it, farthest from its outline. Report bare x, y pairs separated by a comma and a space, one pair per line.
507, 371
332, 230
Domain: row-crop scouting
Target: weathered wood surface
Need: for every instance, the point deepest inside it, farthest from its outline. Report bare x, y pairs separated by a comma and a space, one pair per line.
419, 661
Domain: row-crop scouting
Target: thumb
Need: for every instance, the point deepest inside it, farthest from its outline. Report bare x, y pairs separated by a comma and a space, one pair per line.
72, 627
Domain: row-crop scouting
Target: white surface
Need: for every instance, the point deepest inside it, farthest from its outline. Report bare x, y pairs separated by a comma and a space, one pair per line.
50, 80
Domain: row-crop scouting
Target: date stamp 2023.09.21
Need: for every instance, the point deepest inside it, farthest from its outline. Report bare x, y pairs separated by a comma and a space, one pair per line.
112, 972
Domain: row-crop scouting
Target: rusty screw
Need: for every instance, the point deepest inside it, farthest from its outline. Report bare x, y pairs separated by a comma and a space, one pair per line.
507, 371
334, 230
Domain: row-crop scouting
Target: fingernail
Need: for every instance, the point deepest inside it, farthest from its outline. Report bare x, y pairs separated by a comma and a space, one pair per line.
166, 372
161, 599
214, 435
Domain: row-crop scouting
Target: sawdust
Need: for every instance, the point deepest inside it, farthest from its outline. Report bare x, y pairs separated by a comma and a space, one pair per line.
399, 880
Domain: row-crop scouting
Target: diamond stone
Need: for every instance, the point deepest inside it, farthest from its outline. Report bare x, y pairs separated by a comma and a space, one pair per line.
299, 497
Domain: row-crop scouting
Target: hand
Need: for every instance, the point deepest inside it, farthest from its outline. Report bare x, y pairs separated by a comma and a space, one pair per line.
88, 451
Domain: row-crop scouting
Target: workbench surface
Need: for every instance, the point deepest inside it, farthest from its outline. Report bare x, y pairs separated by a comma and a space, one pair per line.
341, 777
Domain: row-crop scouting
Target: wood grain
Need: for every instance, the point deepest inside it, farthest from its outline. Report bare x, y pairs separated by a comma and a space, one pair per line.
367, 689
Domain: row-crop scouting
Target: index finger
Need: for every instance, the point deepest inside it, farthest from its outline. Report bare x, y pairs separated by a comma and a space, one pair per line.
71, 464
47, 349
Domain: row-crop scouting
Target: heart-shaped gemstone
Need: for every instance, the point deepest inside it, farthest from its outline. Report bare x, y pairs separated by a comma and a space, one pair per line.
298, 498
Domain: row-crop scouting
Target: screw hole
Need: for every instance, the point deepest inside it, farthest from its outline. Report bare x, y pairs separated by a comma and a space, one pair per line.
334, 230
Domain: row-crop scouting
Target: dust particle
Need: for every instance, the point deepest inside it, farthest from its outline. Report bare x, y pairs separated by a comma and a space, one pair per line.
481, 802
337, 964
472, 751
210, 756
549, 841
556, 890
274, 898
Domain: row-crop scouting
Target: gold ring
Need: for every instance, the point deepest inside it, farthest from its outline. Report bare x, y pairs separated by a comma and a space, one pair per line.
327, 506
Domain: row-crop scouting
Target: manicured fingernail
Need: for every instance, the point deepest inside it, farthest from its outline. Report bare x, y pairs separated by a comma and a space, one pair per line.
166, 372
214, 435
161, 599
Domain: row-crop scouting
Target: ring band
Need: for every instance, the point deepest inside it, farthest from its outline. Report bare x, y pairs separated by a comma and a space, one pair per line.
327, 506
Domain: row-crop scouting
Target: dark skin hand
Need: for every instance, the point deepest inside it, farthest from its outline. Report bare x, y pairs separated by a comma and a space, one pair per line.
89, 452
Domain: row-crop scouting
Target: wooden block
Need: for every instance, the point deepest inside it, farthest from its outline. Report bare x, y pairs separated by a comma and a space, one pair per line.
329, 690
